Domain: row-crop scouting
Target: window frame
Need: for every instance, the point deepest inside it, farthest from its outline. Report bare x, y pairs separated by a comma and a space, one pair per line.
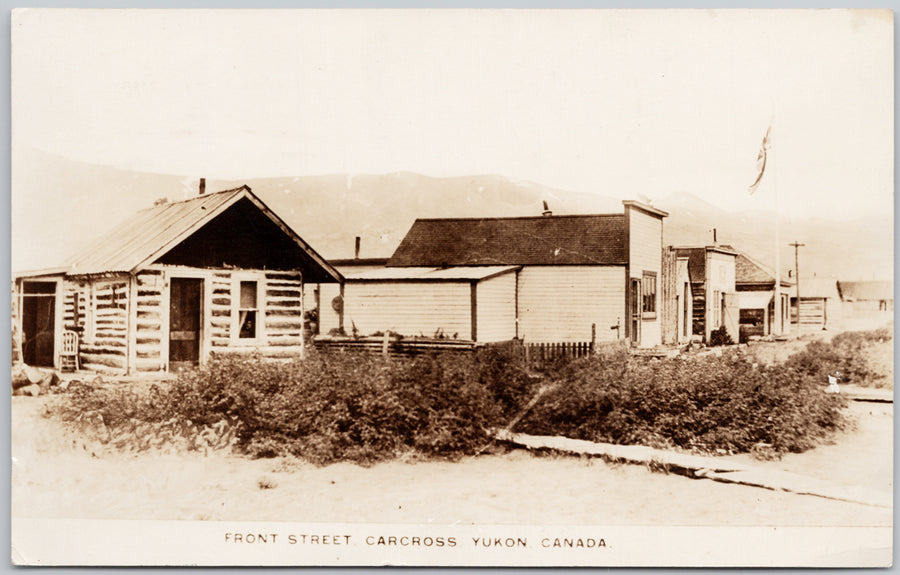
646, 283
237, 282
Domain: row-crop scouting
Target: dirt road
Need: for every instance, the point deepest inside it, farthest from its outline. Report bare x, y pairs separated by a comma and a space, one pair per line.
54, 475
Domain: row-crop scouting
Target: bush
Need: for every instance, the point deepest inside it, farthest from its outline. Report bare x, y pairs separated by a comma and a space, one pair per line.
720, 336
325, 408
704, 404
848, 354
367, 408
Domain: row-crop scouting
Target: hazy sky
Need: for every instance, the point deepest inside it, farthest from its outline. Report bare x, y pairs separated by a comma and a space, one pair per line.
614, 102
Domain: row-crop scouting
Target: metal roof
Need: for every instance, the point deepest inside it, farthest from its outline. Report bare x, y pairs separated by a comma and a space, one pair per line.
432, 273
149, 234
817, 288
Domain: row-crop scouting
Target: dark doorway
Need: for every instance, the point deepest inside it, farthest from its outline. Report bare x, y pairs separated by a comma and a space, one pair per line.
636, 302
184, 322
38, 323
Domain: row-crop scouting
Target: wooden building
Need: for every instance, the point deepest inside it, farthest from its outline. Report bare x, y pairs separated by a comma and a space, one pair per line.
544, 279
820, 304
714, 299
868, 296
175, 283
755, 283
676, 299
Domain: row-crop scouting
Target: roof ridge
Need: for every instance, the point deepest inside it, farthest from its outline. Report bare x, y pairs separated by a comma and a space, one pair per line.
507, 218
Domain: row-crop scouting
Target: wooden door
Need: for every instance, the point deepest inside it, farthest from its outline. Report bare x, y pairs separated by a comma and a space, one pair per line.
39, 323
185, 295
636, 301
731, 315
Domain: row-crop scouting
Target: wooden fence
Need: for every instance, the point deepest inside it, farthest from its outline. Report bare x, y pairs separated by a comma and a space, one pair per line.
392, 345
543, 353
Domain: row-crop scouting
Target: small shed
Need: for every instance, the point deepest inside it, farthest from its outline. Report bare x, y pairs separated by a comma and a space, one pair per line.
173, 284
468, 303
820, 303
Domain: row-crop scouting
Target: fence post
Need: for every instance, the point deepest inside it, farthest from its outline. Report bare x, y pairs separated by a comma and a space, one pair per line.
385, 342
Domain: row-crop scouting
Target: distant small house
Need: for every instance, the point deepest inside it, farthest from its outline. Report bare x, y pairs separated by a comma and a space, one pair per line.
711, 270
868, 296
175, 283
820, 303
553, 279
755, 283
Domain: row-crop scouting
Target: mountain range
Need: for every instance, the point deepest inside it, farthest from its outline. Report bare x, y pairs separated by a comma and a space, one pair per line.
58, 205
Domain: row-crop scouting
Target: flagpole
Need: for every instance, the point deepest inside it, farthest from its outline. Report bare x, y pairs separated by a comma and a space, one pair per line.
779, 312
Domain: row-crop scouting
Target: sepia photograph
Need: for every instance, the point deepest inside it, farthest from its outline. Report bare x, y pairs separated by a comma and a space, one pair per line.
452, 287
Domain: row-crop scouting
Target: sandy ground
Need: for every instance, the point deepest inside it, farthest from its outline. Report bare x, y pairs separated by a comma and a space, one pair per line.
56, 477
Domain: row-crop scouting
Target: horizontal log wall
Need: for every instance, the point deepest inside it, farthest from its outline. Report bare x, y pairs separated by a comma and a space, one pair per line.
148, 326
105, 344
220, 310
284, 313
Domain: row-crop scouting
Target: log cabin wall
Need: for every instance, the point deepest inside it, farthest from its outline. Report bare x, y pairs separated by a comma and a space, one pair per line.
148, 323
104, 315
104, 343
284, 312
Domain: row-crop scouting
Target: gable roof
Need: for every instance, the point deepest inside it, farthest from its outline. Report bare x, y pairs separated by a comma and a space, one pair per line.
149, 234
749, 271
541, 240
867, 290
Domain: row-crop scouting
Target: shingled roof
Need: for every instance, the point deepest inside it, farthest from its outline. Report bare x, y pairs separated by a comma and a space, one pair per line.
543, 240
748, 271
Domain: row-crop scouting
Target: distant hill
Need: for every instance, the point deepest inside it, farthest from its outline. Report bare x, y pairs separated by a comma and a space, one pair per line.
330, 210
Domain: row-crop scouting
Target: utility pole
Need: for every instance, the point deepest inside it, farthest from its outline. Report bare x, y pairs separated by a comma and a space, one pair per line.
797, 247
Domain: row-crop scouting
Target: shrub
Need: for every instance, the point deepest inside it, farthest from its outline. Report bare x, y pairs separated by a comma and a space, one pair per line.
847, 353
702, 403
367, 408
720, 336
340, 406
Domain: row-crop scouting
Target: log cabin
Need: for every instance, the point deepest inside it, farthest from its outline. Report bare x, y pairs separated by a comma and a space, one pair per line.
172, 285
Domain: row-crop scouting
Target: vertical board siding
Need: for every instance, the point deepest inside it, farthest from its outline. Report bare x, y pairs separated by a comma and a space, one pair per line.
668, 290
428, 309
496, 310
107, 346
559, 303
645, 254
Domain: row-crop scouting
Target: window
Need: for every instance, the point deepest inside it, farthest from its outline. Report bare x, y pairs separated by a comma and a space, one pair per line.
248, 312
648, 306
715, 309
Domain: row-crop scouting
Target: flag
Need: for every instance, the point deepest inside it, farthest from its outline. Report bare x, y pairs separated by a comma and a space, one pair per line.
761, 158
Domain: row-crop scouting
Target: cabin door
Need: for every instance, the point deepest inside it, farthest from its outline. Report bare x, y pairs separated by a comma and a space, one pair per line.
39, 323
635, 311
185, 295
